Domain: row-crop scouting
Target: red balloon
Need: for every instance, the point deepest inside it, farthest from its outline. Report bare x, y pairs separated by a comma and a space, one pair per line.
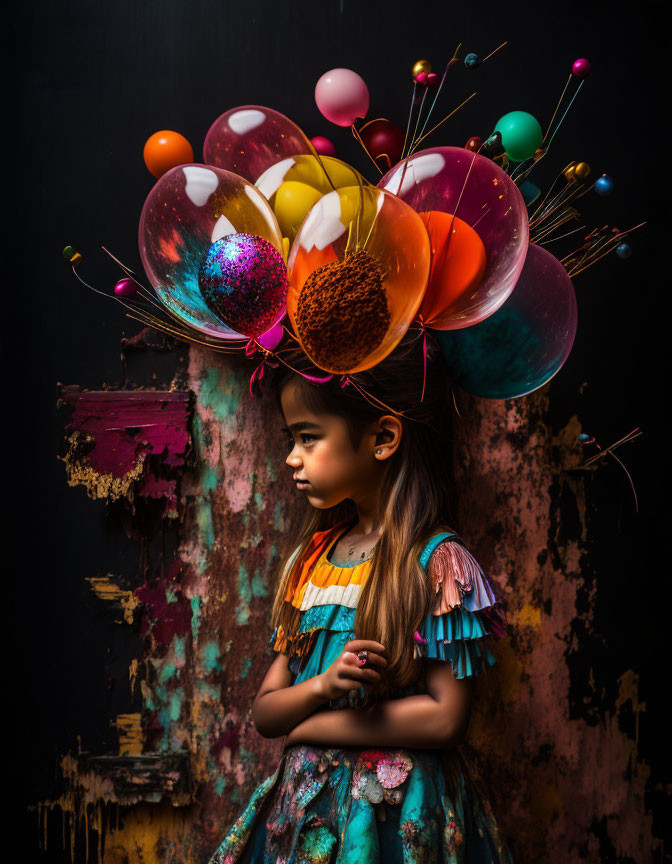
474, 144
384, 140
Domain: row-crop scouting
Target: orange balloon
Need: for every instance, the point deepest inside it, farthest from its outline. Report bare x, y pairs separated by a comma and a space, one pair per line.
388, 234
458, 265
165, 150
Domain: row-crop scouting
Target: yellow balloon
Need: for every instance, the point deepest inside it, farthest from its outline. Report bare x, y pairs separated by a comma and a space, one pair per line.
308, 170
286, 186
353, 202
292, 202
582, 171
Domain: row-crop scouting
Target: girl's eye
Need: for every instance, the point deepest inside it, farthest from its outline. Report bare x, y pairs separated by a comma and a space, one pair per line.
306, 438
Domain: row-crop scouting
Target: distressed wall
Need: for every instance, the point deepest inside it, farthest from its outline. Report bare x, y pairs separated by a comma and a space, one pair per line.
188, 756
568, 787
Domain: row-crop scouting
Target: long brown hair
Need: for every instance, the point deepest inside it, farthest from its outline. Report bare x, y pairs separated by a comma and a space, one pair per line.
416, 492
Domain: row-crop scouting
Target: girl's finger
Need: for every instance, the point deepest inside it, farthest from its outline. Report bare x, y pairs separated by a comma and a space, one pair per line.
359, 675
372, 659
356, 645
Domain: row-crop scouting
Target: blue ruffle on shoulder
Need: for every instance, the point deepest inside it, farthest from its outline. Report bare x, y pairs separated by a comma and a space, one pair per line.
458, 637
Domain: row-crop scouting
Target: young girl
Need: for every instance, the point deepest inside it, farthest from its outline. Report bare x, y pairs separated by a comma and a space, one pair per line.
381, 625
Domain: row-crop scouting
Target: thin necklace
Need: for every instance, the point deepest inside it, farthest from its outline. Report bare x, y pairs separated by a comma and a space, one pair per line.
353, 550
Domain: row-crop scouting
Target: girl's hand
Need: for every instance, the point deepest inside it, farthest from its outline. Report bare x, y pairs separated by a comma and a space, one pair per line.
346, 672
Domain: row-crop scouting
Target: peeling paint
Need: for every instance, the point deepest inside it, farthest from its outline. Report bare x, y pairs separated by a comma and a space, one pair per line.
557, 775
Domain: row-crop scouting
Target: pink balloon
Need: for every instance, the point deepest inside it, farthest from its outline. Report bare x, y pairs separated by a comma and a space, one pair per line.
323, 146
249, 139
472, 187
342, 96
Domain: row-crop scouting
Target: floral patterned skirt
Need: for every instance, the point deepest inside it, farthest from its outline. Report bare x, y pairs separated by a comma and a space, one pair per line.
355, 806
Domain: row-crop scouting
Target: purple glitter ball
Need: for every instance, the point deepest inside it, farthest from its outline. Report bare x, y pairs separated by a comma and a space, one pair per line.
244, 282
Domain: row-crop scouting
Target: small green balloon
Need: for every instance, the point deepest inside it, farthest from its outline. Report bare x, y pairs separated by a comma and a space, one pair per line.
521, 135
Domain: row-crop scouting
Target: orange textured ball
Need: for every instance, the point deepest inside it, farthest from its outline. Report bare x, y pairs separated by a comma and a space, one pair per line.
165, 150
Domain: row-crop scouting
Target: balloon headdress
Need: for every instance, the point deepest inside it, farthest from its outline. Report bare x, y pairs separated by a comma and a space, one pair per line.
273, 243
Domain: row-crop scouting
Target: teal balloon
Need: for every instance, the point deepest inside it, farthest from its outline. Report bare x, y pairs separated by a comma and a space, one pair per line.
530, 192
521, 135
525, 342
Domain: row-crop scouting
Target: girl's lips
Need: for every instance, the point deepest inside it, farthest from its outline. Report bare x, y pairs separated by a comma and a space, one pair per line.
302, 485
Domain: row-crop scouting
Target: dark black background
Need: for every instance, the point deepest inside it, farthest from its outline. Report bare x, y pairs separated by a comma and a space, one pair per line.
88, 82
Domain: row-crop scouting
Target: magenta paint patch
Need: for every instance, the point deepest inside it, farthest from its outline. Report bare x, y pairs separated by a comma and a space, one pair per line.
166, 611
122, 425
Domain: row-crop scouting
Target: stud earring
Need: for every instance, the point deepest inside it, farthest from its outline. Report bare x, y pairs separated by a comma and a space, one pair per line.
378, 452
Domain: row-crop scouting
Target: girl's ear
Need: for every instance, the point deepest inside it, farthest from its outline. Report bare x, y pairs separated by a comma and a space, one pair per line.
388, 436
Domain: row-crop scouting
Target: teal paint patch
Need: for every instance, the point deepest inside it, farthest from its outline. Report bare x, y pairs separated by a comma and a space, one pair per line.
175, 706
259, 501
197, 432
171, 596
270, 468
210, 658
204, 521
179, 647
273, 556
220, 785
259, 585
216, 393
167, 672
245, 595
278, 517
209, 479
196, 607
213, 692
245, 667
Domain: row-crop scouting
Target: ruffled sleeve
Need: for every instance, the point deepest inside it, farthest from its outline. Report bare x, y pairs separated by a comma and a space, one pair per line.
465, 616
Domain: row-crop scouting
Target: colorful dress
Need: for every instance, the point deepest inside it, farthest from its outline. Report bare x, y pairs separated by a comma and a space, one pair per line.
335, 805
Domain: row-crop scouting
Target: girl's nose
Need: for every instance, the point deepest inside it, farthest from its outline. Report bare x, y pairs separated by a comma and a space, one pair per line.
293, 460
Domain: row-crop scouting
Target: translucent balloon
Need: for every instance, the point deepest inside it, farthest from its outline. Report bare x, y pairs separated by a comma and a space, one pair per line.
188, 209
522, 346
250, 138
455, 181
294, 185
358, 270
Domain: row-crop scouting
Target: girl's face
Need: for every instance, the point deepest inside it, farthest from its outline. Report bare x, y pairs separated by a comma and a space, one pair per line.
325, 465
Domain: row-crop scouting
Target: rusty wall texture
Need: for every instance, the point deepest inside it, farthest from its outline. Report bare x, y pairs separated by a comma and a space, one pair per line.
188, 757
